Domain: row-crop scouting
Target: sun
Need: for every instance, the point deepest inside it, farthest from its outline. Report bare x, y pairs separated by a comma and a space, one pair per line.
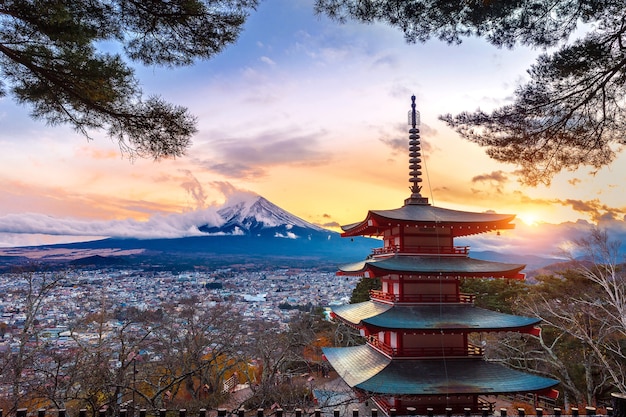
528, 218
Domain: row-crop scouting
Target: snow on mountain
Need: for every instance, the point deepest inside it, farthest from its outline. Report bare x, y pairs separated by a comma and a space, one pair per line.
255, 215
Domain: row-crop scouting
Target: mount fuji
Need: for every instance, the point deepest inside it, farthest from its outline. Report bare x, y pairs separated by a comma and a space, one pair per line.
246, 229
261, 218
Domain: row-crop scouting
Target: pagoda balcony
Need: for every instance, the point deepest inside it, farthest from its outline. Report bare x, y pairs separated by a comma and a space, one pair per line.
422, 250
425, 352
422, 298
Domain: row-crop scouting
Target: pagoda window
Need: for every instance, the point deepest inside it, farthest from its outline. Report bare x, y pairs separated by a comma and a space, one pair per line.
433, 291
434, 345
429, 241
393, 340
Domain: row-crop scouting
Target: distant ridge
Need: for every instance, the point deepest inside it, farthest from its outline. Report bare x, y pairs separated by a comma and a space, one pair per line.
252, 229
249, 229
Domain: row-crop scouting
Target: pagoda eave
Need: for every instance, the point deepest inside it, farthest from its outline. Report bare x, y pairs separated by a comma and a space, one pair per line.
425, 216
364, 368
432, 266
429, 318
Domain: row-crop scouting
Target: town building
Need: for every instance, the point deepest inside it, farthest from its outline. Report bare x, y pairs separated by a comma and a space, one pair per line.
418, 356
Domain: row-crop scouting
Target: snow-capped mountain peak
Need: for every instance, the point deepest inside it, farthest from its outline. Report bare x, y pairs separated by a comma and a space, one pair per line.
255, 215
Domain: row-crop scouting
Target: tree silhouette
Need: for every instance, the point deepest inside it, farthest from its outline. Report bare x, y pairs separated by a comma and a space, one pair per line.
54, 57
571, 112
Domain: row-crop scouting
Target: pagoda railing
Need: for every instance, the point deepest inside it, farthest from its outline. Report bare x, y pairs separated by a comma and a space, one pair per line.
422, 250
423, 298
425, 352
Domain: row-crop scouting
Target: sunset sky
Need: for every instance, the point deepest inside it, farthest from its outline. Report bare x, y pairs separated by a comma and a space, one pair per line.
310, 114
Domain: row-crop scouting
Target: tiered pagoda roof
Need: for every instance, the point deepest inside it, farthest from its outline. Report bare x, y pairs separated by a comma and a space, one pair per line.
462, 223
366, 369
418, 350
432, 317
429, 265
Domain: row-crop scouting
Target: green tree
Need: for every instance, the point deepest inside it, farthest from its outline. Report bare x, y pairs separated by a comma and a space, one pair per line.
494, 294
52, 58
362, 290
569, 114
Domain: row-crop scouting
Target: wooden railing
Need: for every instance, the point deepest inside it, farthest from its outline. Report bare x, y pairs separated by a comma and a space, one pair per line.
423, 298
425, 352
423, 250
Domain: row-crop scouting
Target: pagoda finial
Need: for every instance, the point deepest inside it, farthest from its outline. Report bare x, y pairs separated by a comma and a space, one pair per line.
415, 158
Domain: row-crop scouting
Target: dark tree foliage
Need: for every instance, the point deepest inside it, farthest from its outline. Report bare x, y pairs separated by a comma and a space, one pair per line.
494, 294
50, 60
362, 290
571, 112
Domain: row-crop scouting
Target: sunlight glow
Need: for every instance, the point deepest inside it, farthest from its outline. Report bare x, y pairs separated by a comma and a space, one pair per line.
528, 218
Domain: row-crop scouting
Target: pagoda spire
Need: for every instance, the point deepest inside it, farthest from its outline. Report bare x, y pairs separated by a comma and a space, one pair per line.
415, 156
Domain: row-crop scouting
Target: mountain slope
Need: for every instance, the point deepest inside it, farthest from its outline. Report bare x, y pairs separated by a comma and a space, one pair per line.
259, 217
251, 229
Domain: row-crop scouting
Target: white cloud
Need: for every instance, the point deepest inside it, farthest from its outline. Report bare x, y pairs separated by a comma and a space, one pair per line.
267, 60
159, 226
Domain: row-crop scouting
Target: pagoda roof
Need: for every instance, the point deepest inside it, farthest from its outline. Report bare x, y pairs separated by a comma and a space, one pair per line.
431, 317
448, 265
463, 223
364, 368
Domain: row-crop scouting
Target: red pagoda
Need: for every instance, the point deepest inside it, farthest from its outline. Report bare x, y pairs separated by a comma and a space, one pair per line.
417, 352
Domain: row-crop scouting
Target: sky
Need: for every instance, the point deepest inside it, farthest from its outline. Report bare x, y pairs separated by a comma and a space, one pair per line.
312, 115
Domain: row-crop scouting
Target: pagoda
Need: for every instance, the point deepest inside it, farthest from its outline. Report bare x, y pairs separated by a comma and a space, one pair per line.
418, 356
